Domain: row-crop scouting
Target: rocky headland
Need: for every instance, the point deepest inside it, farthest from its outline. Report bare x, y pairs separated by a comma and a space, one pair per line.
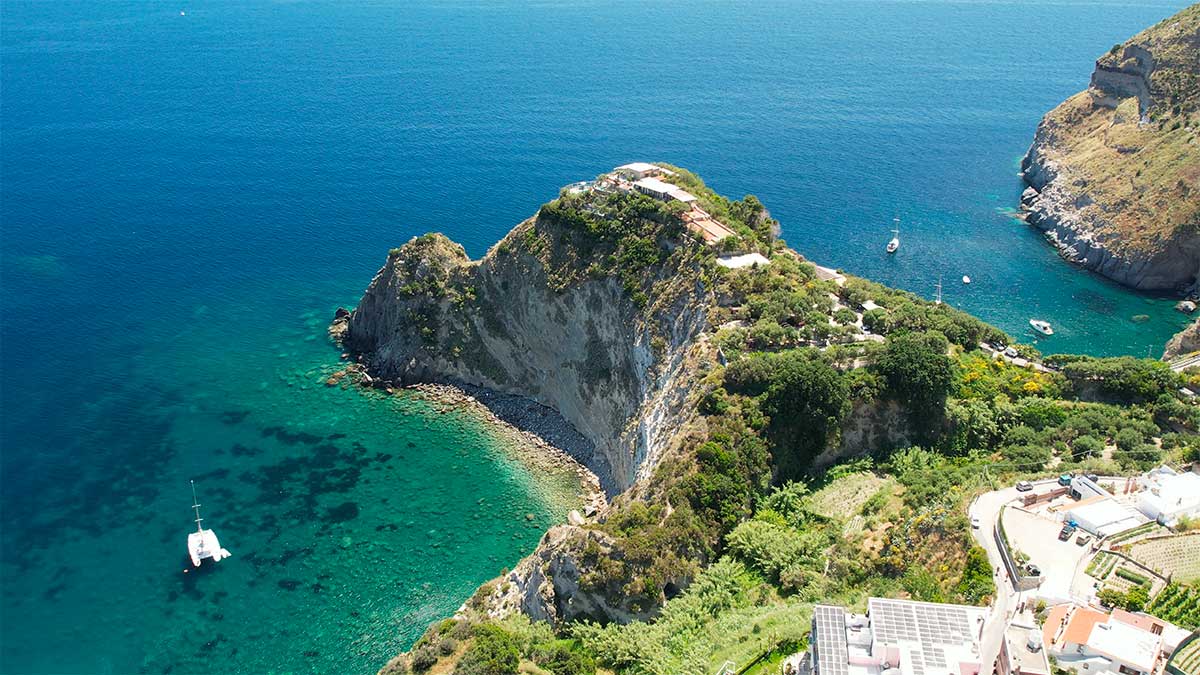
1185, 342
1114, 172
607, 326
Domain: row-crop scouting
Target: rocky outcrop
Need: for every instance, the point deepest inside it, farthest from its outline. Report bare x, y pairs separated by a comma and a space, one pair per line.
1184, 342
584, 349
1114, 172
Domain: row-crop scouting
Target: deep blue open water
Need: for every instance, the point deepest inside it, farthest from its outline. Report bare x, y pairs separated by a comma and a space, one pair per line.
185, 198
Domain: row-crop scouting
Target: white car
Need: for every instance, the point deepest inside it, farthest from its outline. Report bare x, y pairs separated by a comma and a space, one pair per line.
975, 522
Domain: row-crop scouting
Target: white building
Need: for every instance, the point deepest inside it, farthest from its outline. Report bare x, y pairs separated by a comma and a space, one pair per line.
1103, 516
640, 170
1022, 651
664, 191
898, 637
1089, 641
735, 262
1166, 495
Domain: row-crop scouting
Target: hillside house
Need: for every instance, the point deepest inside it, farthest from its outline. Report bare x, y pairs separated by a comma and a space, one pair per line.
1088, 640
898, 637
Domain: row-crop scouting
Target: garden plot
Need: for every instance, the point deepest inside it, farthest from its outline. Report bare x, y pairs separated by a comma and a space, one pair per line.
845, 496
1174, 556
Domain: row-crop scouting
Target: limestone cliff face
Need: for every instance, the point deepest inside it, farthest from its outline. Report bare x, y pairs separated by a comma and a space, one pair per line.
509, 324
1114, 172
1184, 342
617, 356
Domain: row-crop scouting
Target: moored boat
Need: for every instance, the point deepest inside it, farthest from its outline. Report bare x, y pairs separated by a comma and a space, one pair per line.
1042, 327
203, 544
894, 244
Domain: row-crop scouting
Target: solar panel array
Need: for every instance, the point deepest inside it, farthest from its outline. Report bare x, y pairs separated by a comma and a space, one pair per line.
833, 656
931, 626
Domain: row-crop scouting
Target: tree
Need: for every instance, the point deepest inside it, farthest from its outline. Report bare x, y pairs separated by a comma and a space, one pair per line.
917, 371
807, 401
1085, 447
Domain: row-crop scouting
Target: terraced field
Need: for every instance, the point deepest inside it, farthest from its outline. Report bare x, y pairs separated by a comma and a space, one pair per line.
1187, 659
1178, 604
1174, 556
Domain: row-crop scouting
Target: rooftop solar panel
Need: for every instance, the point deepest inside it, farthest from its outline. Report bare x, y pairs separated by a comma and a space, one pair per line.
832, 652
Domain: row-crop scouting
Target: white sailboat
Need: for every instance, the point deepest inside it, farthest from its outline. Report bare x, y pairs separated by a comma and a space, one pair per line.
203, 543
894, 244
937, 298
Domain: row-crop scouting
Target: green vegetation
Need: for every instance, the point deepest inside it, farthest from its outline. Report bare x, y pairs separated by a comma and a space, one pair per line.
1178, 604
1132, 576
1133, 600
743, 525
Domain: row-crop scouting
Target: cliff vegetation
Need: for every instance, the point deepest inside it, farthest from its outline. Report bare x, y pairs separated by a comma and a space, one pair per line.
772, 436
1115, 170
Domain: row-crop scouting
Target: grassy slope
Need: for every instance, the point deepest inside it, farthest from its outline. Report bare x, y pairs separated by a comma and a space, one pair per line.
1143, 178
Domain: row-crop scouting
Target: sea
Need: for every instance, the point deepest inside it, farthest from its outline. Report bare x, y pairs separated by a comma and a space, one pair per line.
190, 188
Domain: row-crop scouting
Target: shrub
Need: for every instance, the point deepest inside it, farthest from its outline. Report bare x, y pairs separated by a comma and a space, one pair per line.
1086, 446
424, 657
562, 660
493, 652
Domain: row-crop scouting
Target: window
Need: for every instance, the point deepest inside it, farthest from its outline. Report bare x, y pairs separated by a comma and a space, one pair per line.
1129, 671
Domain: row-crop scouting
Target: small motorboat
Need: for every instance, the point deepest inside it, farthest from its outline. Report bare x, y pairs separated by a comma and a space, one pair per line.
894, 244
203, 543
966, 279
1042, 327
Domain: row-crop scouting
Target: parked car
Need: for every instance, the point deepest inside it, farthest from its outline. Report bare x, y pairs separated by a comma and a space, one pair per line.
1011, 352
1083, 539
1024, 486
1064, 479
975, 522
1065, 533
1033, 570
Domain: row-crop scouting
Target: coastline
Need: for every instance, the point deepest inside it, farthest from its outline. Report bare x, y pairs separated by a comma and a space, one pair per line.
534, 434
527, 442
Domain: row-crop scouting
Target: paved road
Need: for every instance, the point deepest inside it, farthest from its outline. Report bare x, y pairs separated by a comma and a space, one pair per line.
1185, 362
986, 508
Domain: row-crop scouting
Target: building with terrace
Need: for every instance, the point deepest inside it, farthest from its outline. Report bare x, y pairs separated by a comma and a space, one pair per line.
898, 637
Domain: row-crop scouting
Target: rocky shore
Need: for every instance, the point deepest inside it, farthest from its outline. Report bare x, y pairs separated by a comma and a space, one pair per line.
1113, 171
541, 438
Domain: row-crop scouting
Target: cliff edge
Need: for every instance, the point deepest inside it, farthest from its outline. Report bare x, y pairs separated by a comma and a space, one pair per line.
1114, 172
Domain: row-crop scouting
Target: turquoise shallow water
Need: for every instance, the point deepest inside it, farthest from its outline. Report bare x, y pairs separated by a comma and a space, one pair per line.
186, 199
354, 519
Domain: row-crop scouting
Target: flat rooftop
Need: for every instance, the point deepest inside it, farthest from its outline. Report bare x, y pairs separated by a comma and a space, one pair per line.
915, 638
1021, 658
1123, 642
745, 260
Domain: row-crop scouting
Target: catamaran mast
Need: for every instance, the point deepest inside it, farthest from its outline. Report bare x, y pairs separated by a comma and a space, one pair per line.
196, 505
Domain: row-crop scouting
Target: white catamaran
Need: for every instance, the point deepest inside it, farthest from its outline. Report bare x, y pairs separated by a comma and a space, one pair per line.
203, 543
895, 242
